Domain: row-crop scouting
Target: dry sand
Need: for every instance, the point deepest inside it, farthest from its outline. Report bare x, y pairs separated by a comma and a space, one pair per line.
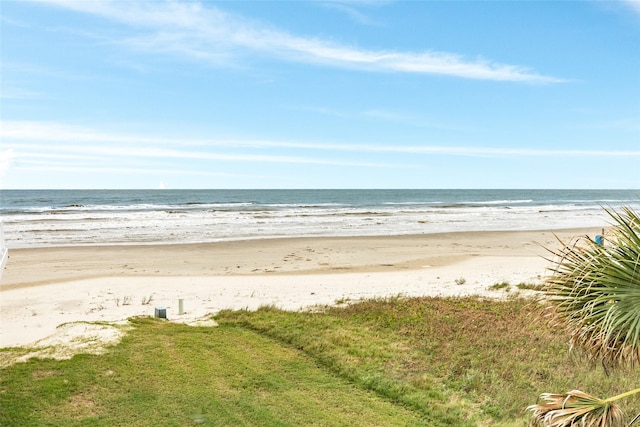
42, 289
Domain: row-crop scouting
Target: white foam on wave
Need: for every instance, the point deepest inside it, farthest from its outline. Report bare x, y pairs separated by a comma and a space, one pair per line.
204, 225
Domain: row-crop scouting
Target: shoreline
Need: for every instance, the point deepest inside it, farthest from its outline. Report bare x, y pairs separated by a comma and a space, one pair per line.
43, 288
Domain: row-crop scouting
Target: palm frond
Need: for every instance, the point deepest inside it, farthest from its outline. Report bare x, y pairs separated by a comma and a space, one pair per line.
595, 290
576, 408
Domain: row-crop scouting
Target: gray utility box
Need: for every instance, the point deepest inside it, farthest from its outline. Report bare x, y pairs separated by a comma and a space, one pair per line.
161, 313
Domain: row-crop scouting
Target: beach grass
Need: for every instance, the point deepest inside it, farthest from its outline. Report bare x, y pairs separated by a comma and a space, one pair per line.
396, 361
498, 286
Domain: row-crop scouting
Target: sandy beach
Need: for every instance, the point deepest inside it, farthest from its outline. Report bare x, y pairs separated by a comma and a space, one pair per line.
44, 288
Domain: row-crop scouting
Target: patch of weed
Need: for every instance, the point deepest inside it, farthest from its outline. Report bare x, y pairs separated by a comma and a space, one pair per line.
498, 286
530, 286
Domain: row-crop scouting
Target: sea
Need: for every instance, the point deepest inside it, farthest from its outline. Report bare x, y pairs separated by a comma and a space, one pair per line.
49, 218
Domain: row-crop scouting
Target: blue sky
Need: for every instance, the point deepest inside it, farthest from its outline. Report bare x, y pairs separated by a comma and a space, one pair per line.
320, 94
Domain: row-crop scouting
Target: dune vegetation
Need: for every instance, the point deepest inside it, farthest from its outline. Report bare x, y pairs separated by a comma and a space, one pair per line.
398, 361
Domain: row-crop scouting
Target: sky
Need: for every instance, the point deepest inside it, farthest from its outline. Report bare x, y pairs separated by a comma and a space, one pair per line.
319, 94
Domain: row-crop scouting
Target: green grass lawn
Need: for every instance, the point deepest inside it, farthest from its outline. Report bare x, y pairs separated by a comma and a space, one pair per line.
418, 361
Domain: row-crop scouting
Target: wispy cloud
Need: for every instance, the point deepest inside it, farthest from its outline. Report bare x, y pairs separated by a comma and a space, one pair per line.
39, 166
620, 7
49, 140
633, 5
349, 9
15, 92
209, 34
129, 152
28, 148
6, 159
406, 118
622, 124
10, 21
42, 140
377, 114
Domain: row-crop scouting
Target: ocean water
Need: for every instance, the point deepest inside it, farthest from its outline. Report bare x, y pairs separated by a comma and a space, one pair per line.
42, 218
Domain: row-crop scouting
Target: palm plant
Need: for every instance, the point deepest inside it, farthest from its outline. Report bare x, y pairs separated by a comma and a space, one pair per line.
595, 292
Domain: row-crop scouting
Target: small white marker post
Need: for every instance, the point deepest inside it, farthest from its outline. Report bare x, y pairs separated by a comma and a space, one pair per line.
180, 306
